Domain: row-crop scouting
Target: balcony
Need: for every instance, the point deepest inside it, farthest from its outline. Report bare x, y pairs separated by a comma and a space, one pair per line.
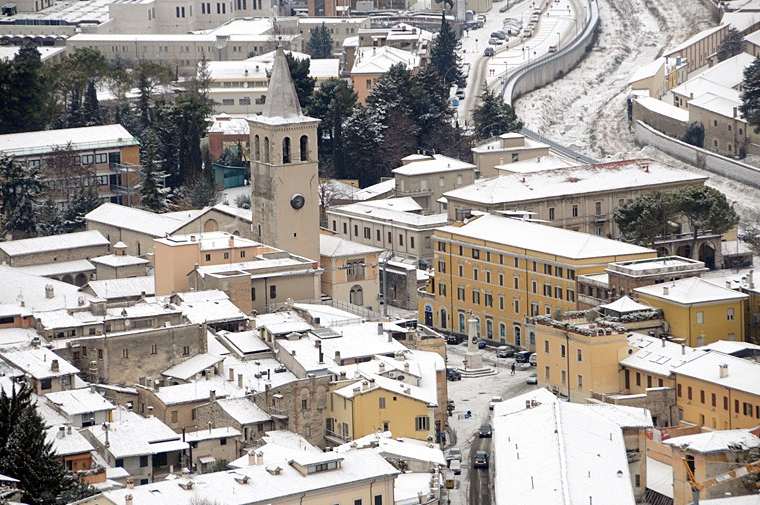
336, 437
601, 218
278, 412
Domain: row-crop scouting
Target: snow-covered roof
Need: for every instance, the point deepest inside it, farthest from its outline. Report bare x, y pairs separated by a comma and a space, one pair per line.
226, 487
192, 366
123, 288
404, 448
67, 443
689, 291
115, 261
211, 311
624, 416
660, 477
648, 70
409, 487
715, 441
379, 189
243, 410
558, 452
722, 105
536, 164
741, 374
79, 401
52, 243
198, 391
245, 342
282, 323
402, 203
229, 125
693, 39
327, 314
729, 72
132, 218
437, 163
336, 247
698, 86
58, 268
656, 355
750, 499
731, 347
372, 382
14, 309
741, 20
211, 434
10, 52
663, 108
378, 60
542, 238
38, 362
574, 181
87, 137
130, 434
380, 214
209, 241
625, 305
31, 291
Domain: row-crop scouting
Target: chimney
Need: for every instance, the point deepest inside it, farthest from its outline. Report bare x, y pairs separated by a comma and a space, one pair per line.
128, 499
734, 112
723, 370
663, 341
665, 290
49, 292
156, 385
212, 395
62, 432
751, 279
232, 375
337, 357
232, 241
54, 367
321, 354
527, 404
683, 348
130, 483
728, 284
150, 411
68, 429
379, 328
240, 381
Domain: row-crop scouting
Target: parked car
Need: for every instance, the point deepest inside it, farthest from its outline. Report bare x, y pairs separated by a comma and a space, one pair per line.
495, 42
480, 460
498, 34
452, 339
522, 356
455, 467
532, 379
488, 51
552, 49
454, 454
533, 360
505, 351
504, 9
453, 375
494, 401
482, 344
485, 431
460, 93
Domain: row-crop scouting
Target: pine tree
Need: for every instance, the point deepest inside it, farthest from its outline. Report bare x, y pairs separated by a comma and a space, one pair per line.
443, 55
151, 185
74, 116
732, 44
320, 43
299, 71
20, 187
166, 128
364, 134
646, 218
695, 134
84, 200
49, 219
27, 456
91, 108
431, 110
493, 117
705, 208
750, 106
333, 103
25, 102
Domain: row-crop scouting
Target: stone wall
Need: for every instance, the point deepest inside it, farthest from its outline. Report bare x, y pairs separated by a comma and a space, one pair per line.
661, 402
666, 124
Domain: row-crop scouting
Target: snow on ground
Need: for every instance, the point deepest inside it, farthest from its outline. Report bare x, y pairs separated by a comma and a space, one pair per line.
474, 395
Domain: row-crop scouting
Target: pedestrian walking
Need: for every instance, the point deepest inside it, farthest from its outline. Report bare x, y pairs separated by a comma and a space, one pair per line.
512, 370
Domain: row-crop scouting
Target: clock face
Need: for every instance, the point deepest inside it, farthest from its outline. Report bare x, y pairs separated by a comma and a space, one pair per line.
297, 201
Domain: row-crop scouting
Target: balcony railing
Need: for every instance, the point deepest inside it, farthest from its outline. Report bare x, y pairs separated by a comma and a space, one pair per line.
337, 436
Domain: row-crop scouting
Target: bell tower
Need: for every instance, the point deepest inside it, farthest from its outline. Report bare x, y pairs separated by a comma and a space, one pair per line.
284, 161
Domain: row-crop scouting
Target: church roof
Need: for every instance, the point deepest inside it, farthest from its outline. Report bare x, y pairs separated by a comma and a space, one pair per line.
282, 105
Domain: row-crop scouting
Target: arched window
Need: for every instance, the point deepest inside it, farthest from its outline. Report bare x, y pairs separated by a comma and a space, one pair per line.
266, 149
304, 145
461, 322
256, 148
286, 150
518, 336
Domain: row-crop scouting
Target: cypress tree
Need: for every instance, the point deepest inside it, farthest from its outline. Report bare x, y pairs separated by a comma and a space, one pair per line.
443, 55
91, 108
493, 116
151, 185
750, 106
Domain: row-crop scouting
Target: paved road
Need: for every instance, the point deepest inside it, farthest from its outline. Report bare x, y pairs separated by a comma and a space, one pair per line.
480, 478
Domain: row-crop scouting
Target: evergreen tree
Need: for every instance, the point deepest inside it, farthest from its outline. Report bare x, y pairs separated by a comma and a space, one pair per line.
74, 115
20, 187
91, 108
646, 218
84, 200
443, 54
695, 134
49, 219
493, 117
25, 97
201, 192
151, 185
431, 110
320, 43
705, 208
299, 71
166, 128
364, 134
26, 455
750, 107
333, 103
732, 45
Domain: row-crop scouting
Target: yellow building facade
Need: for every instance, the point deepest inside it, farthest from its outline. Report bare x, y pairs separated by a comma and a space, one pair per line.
363, 408
503, 270
698, 311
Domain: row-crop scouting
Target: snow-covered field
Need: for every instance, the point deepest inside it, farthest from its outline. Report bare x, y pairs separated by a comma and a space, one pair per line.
586, 110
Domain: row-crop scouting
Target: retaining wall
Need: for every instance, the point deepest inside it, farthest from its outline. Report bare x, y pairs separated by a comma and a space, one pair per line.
701, 158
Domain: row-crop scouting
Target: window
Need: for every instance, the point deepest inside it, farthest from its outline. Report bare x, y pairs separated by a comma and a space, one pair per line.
208, 257
730, 314
125, 353
679, 391
422, 423
558, 293
515, 283
367, 232
222, 441
304, 404
580, 382
516, 304
598, 208
551, 213
476, 297
534, 287
356, 230
378, 499
382, 402
747, 409
637, 480
253, 293
725, 401
575, 211
700, 317
400, 240
638, 379
579, 355
226, 255
272, 292
460, 293
476, 254
153, 349
174, 416
488, 300
488, 277
563, 376
736, 406
562, 350
242, 254
546, 346
546, 373
688, 392
713, 400
345, 228
186, 350
46, 383
461, 270
649, 381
